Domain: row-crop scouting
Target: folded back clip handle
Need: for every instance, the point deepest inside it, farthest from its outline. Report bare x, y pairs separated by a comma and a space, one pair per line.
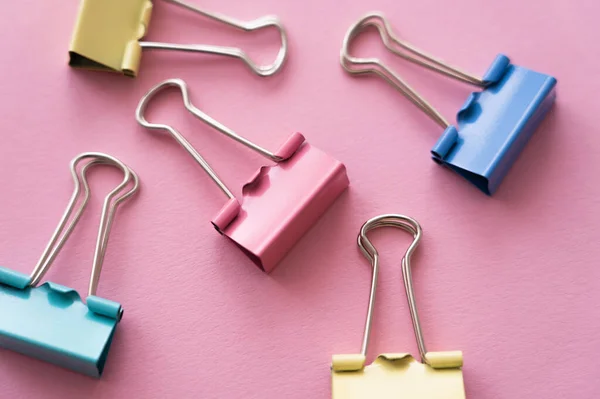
59, 327
392, 375
490, 135
279, 203
108, 35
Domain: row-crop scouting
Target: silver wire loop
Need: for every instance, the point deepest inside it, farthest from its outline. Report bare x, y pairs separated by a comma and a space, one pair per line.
64, 229
403, 50
182, 86
234, 52
367, 248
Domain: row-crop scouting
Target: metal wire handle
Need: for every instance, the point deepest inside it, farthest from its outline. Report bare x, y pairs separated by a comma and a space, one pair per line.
234, 52
178, 83
404, 50
367, 248
64, 229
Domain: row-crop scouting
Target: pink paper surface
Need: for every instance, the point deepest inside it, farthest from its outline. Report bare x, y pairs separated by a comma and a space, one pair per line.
511, 280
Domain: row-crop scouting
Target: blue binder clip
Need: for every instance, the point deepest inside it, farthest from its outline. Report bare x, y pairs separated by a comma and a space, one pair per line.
493, 125
50, 322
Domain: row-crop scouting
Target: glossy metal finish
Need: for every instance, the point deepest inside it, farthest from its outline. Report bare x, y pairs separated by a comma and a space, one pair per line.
280, 202
250, 26
405, 50
412, 226
493, 126
111, 202
396, 375
284, 153
51, 322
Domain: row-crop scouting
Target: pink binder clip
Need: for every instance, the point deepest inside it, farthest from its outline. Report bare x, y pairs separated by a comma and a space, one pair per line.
280, 202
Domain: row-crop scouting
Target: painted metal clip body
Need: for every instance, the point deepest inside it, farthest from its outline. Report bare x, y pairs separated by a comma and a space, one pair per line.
396, 375
50, 322
108, 37
280, 202
493, 125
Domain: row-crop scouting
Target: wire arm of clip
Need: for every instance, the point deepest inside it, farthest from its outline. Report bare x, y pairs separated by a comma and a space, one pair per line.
357, 65
411, 226
234, 52
112, 201
64, 229
182, 86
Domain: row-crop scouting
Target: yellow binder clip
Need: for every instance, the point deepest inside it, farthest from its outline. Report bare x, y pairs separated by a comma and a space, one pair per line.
397, 375
108, 35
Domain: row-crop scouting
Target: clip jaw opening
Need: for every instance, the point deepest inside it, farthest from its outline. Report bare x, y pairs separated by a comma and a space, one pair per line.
491, 135
437, 376
107, 33
50, 322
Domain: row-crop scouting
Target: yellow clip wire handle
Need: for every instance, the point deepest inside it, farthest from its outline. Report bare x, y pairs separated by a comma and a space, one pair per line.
108, 35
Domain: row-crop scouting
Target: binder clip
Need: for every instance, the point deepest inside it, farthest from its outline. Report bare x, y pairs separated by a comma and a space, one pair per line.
494, 124
50, 322
396, 375
280, 202
108, 33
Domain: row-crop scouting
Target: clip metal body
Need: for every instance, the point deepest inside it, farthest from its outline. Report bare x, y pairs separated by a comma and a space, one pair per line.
396, 375
280, 202
50, 322
108, 33
493, 125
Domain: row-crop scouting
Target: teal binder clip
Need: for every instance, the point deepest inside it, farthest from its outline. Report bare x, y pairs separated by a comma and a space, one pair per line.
50, 322
494, 124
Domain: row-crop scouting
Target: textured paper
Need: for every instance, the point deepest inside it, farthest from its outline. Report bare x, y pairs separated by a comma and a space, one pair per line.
513, 280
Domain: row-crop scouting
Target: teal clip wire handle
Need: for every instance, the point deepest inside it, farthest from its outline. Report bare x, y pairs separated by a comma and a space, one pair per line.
50, 322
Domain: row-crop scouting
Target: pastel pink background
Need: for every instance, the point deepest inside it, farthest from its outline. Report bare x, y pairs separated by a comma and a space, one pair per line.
512, 280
